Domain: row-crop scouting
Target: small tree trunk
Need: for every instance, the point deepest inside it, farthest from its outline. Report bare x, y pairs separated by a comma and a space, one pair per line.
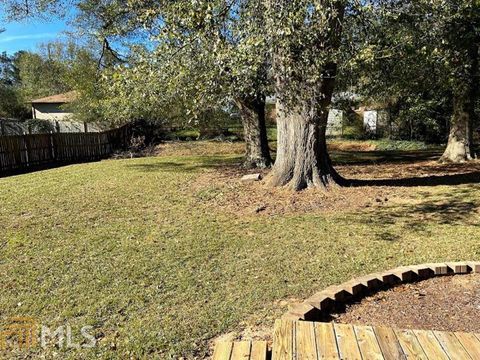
465, 93
459, 147
252, 113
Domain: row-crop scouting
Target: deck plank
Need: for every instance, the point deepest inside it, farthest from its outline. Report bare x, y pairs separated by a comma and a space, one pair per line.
283, 340
451, 345
430, 345
368, 343
326, 341
347, 342
471, 344
259, 350
306, 348
241, 350
302, 340
388, 342
410, 344
222, 351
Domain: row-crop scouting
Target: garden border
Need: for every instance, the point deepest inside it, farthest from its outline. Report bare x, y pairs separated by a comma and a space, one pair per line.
321, 305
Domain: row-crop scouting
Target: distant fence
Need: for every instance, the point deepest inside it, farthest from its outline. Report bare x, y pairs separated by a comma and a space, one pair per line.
23, 153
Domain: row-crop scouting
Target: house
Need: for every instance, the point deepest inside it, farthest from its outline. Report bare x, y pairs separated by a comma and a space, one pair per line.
335, 123
51, 110
50, 107
376, 119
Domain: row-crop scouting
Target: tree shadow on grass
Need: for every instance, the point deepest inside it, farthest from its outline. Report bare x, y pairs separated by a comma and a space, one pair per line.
185, 165
408, 162
382, 157
453, 208
432, 180
455, 174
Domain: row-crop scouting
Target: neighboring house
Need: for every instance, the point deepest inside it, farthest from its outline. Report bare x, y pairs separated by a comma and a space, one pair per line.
335, 123
376, 120
50, 107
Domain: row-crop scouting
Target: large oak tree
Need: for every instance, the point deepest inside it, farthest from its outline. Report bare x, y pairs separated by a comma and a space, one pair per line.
305, 38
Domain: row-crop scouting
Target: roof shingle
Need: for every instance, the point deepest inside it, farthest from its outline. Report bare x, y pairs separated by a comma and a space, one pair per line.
64, 98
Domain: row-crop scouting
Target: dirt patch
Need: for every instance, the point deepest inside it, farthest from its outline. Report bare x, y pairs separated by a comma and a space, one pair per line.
388, 178
200, 148
351, 146
449, 303
403, 170
223, 189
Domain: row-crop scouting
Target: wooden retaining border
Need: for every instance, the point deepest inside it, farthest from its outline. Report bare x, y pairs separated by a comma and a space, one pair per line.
321, 305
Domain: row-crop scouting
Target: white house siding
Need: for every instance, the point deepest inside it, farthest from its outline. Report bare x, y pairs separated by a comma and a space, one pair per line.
50, 111
370, 119
377, 122
334, 122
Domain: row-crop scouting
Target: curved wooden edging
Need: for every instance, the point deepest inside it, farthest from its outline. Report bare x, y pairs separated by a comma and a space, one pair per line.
320, 305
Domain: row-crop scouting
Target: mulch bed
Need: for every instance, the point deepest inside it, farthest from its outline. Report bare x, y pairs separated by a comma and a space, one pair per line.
449, 303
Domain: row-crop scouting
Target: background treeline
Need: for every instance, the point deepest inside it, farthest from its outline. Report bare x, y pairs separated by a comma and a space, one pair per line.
420, 112
205, 63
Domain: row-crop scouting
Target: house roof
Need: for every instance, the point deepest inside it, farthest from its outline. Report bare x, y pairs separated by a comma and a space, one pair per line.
64, 98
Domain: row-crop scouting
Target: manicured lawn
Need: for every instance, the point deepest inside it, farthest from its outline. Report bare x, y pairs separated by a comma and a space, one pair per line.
138, 249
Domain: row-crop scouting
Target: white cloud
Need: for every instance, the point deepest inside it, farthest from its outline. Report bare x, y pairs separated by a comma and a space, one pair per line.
4, 39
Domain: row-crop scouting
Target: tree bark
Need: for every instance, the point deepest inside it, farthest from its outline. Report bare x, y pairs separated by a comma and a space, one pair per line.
252, 114
465, 93
459, 146
302, 157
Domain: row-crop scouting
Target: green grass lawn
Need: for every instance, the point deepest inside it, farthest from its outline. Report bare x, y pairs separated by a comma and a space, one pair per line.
135, 249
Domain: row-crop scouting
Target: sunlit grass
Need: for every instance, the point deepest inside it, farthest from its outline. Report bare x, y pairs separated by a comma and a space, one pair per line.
128, 247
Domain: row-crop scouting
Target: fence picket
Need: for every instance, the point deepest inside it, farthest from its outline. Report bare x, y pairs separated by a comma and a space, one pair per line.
24, 152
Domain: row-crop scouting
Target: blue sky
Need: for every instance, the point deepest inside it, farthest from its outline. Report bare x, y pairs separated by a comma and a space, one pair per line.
27, 35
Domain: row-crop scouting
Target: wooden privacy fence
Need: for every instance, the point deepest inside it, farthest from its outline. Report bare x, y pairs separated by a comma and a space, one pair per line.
22, 153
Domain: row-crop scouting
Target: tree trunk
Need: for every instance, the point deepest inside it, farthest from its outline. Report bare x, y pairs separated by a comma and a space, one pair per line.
302, 156
459, 147
465, 93
252, 113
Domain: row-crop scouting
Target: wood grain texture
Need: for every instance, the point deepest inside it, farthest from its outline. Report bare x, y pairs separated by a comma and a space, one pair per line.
430, 345
451, 345
283, 336
471, 344
241, 350
410, 345
222, 351
388, 342
326, 341
306, 348
347, 342
367, 342
259, 350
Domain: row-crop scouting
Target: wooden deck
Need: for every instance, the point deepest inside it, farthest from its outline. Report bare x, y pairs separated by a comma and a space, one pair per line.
302, 340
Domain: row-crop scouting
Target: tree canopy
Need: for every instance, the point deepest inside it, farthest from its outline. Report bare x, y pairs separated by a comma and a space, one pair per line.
182, 59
